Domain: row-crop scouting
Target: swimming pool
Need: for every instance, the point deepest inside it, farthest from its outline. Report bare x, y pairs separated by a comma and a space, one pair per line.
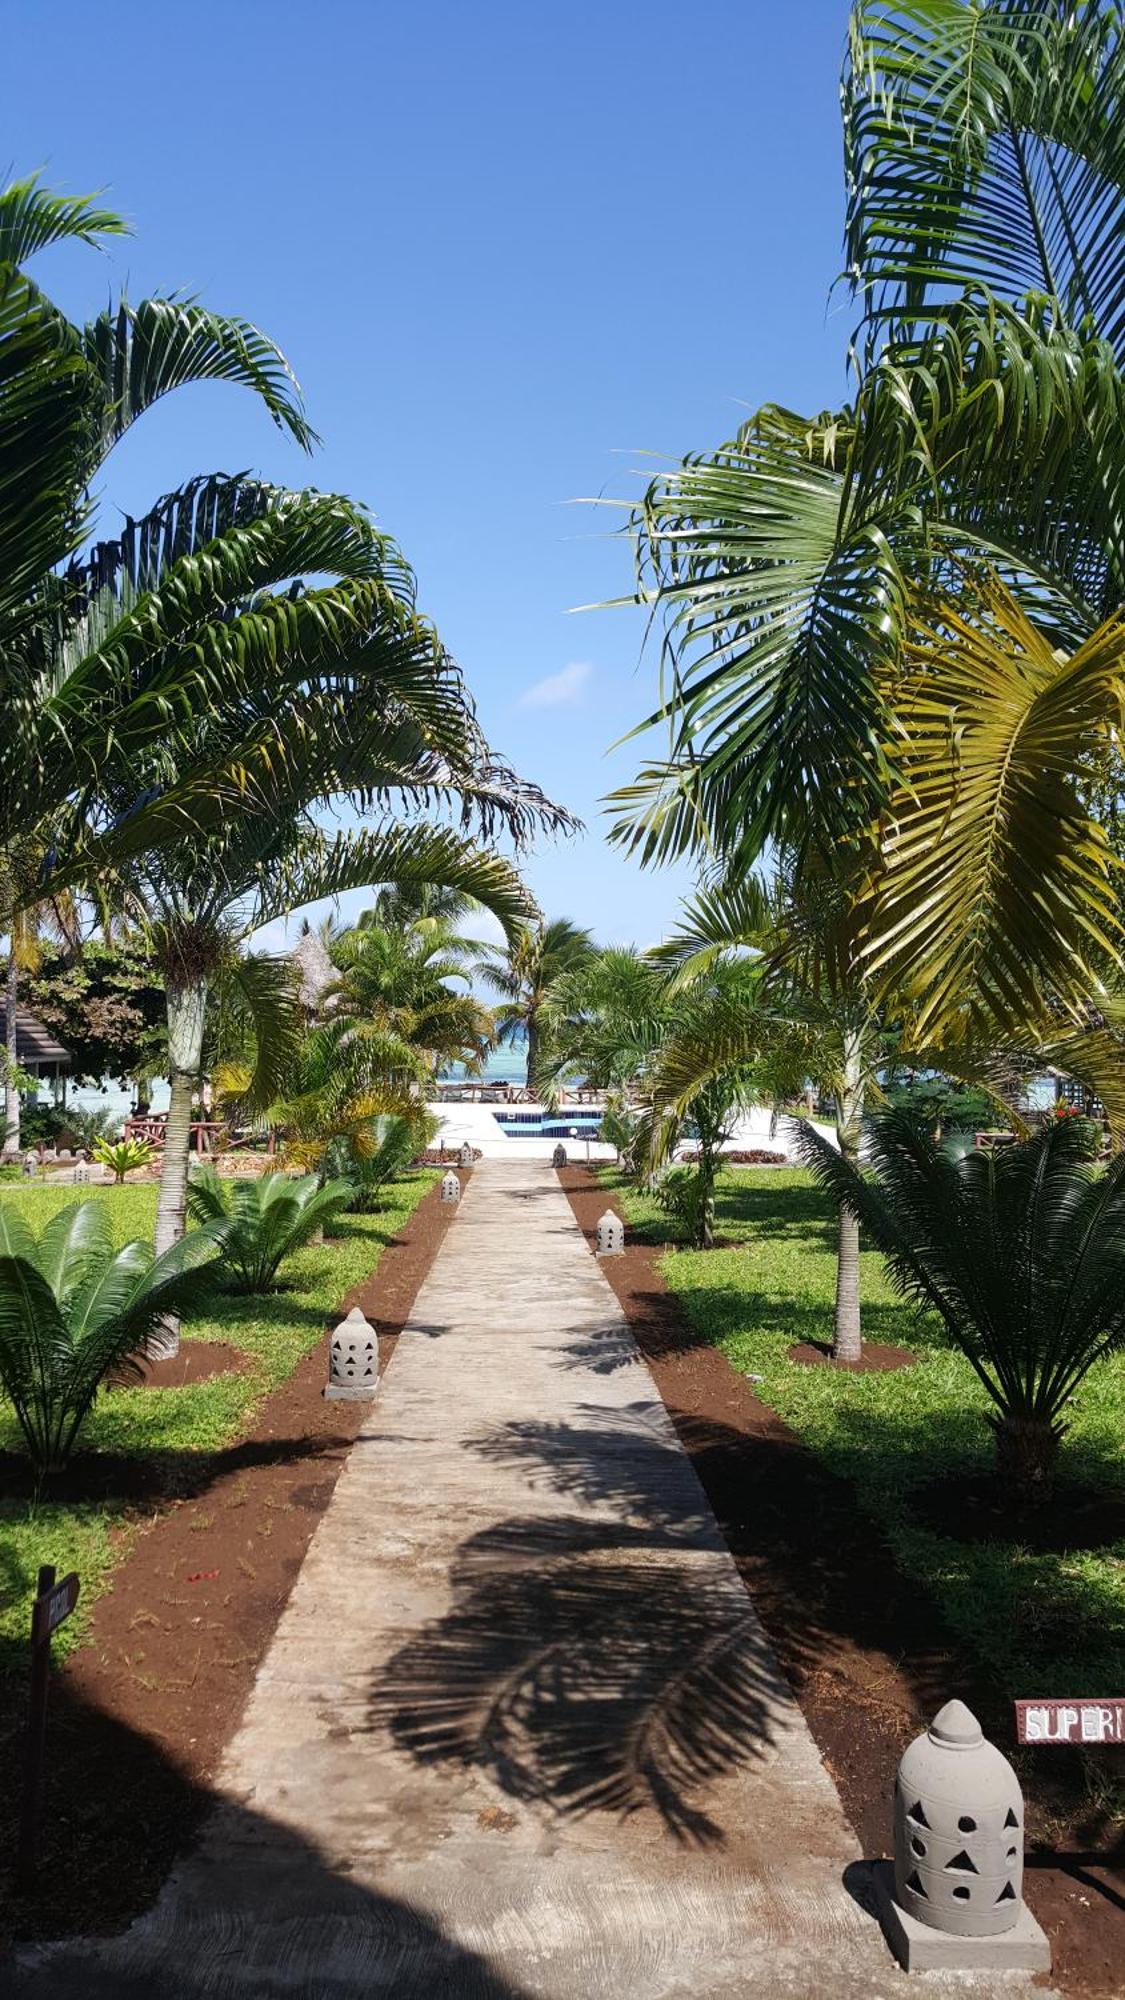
517, 1124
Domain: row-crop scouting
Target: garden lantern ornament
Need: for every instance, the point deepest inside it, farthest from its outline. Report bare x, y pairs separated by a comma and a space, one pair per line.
451, 1189
353, 1360
958, 1868
611, 1235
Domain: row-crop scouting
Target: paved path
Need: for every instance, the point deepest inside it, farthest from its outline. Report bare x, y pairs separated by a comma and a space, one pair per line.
519, 1732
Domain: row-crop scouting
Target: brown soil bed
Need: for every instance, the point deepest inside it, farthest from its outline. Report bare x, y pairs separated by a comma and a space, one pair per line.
981, 1510
866, 1652
196, 1361
876, 1359
140, 1715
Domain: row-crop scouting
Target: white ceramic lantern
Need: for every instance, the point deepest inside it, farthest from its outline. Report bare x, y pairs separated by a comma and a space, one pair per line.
611, 1235
958, 1830
451, 1189
353, 1359
465, 1156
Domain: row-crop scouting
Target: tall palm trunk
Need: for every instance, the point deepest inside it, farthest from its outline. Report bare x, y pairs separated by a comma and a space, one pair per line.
532, 1045
187, 1007
705, 1226
11, 1133
847, 1339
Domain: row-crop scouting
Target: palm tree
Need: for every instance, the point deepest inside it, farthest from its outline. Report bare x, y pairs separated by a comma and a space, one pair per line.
1022, 1252
534, 960
82, 698
395, 983
616, 1019
198, 904
963, 510
808, 1013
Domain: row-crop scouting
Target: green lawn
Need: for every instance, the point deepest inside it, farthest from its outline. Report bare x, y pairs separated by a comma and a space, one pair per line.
275, 1331
1043, 1624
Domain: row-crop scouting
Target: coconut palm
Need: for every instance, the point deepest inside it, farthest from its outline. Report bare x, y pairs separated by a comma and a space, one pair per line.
351, 1104
810, 572
810, 1013
197, 906
77, 713
396, 981
1020, 1249
74, 1310
534, 960
613, 1019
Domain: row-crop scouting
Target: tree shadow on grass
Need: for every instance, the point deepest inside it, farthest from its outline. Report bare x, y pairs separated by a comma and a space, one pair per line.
256, 1910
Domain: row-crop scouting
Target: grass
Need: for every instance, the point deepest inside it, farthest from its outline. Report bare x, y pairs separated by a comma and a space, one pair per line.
1042, 1624
274, 1332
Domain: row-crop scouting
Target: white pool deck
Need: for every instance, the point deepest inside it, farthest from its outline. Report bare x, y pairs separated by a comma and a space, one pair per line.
476, 1125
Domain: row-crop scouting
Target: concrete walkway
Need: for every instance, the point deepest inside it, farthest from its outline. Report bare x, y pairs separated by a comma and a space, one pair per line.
519, 1732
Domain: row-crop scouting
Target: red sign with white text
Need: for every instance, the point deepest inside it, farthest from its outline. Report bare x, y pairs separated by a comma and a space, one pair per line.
1073, 1720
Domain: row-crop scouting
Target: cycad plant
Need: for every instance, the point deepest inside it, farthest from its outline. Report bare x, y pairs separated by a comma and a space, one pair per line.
258, 1223
1021, 1250
74, 1310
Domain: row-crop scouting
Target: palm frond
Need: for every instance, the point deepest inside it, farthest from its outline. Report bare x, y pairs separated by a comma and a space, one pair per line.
33, 216
139, 353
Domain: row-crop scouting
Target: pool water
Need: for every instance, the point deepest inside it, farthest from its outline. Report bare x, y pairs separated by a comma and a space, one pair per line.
548, 1125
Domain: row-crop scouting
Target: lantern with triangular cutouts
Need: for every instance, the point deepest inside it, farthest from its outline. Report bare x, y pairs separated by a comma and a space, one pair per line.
958, 1830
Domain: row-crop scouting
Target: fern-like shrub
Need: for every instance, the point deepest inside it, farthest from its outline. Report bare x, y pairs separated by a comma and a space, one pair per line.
258, 1223
74, 1310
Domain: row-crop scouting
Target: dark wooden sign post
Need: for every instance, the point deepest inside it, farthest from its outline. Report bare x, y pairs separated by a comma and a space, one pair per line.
53, 1602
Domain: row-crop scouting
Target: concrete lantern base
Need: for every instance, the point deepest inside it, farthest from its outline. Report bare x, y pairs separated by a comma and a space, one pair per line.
359, 1392
921, 1948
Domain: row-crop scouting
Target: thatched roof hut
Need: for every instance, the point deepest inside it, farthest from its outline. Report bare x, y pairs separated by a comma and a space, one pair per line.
315, 970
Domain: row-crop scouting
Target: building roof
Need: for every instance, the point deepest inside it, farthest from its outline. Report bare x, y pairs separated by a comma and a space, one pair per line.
36, 1047
315, 969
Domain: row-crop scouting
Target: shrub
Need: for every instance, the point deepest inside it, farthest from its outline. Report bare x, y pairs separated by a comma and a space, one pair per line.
1020, 1248
73, 1310
375, 1152
258, 1223
753, 1156
683, 1193
123, 1156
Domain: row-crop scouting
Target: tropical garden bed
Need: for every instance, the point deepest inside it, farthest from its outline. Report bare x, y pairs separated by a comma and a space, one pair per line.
187, 1514
875, 1612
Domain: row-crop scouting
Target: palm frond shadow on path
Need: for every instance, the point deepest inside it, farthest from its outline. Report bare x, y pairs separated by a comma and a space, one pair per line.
587, 1665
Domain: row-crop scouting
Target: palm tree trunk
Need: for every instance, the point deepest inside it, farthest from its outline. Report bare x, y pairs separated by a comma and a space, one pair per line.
705, 1228
1027, 1449
11, 1134
187, 1006
847, 1337
532, 1046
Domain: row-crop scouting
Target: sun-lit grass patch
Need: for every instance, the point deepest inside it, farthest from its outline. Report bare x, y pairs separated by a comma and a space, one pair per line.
1043, 1623
273, 1331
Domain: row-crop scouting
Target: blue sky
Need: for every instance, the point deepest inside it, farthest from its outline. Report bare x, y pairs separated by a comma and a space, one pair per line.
510, 251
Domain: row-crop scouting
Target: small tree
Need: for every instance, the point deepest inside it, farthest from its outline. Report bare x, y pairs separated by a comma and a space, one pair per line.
1021, 1249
